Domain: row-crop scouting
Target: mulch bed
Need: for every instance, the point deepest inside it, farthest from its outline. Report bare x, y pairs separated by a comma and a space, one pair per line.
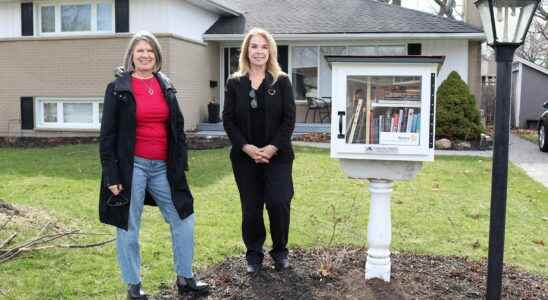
313, 137
338, 273
194, 142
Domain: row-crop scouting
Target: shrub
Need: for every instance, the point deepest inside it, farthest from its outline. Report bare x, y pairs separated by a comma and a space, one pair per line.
457, 117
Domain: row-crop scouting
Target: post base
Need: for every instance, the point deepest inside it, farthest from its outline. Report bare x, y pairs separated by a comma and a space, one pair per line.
377, 268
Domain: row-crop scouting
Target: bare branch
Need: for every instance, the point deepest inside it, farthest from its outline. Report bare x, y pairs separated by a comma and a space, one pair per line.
73, 246
6, 242
35, 244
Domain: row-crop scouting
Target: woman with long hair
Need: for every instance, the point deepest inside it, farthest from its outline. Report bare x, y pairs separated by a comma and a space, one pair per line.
259, 118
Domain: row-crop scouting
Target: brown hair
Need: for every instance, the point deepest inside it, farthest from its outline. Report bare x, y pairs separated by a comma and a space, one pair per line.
148, 37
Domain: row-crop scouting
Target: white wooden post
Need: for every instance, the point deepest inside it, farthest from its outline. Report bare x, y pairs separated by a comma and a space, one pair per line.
379, 230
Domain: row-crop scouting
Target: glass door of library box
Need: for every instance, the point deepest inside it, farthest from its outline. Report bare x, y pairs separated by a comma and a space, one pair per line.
383, 111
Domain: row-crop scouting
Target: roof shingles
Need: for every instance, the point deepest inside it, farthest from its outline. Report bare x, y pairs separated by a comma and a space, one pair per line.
333, 16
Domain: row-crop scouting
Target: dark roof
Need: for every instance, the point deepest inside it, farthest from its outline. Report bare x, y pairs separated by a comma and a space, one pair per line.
333, 16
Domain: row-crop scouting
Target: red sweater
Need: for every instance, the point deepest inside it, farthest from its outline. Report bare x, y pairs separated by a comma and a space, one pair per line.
152, 118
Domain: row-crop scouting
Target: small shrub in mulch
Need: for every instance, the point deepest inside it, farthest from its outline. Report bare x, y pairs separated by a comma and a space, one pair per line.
338, 273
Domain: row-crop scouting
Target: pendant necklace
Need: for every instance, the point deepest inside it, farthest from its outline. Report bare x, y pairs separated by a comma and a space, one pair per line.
149, 89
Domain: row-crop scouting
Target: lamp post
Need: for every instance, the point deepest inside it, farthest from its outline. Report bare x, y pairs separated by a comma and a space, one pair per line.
505, 23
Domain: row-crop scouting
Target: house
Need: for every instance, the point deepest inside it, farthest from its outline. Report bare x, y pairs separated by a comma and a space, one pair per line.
58, 55
528, 94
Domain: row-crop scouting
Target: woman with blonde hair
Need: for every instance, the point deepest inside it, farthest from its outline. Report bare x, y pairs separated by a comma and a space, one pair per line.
144, 158
259, 118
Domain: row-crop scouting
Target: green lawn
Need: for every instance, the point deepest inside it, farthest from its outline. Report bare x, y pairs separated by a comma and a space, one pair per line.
445, 210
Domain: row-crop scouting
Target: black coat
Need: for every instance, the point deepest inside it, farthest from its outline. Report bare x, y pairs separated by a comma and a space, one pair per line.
117, 143
279, 114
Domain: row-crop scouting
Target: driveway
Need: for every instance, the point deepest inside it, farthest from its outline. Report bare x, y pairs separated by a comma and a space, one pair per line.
529, 158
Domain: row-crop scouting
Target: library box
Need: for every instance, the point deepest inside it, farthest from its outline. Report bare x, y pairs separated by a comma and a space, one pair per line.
383, 107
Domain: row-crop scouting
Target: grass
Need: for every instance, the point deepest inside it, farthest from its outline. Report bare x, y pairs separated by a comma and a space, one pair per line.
444, 211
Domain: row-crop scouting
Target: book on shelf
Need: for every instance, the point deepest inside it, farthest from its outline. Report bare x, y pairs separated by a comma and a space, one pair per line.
410, 116
402, 124
402, 102
355, 119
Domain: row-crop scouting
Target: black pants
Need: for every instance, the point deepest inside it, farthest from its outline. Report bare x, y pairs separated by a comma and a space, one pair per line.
261, 184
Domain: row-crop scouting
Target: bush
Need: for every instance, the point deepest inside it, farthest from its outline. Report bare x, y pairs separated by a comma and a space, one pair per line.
457, 117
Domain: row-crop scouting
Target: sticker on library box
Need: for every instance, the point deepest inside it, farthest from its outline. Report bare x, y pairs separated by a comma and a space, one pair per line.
381, 149
399, 138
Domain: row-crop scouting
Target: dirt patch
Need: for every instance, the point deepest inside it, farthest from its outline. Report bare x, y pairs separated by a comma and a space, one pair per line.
339, 274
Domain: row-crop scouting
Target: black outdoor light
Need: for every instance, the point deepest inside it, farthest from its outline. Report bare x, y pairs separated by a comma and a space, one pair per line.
506, 23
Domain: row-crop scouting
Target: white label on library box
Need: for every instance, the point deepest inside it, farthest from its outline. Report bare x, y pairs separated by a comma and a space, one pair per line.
383, 150
399, 138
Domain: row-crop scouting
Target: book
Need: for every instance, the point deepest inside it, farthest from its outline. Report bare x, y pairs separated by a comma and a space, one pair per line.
355, 118
410, 116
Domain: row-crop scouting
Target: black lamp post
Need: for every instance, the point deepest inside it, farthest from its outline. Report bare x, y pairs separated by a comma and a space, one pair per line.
505, 23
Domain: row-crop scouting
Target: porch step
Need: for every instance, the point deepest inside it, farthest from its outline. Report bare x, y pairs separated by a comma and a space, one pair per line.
217, 128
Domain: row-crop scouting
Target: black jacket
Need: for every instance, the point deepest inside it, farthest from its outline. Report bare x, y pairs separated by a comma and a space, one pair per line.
279, 113
117, 143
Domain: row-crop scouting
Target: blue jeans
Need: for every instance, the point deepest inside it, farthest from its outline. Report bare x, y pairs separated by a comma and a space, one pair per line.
150, 175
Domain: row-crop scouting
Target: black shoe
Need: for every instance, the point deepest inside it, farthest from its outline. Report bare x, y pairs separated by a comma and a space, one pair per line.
253, 268
281, 264
185, 285
135, 292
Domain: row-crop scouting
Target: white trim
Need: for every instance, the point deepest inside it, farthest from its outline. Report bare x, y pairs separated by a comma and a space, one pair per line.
518, 95
214, 6
531, 65
57, 6
352, 36
60, 124
222, 76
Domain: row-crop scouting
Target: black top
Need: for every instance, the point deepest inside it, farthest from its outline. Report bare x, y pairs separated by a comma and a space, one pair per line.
279, 116
257, 118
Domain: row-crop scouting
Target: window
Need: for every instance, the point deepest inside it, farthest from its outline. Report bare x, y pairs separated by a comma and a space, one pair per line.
325, 70
80, 17
310, 71
73, 113
48, 18
304, 65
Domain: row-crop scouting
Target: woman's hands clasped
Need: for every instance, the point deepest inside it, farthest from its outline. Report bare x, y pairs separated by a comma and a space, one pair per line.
260, 155
115, 189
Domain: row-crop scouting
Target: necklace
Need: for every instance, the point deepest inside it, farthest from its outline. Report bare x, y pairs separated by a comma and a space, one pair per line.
149, 89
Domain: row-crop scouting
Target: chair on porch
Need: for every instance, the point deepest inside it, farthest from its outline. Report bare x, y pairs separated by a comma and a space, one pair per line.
319, 106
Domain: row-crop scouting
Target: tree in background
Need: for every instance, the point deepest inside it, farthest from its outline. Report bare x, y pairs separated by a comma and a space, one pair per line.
457, 117
535, 47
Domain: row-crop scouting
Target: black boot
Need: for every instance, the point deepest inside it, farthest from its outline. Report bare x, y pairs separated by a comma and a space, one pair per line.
281, 264
185, 285
135, 292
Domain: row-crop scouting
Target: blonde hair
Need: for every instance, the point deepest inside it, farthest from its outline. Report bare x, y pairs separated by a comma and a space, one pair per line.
148, 37
272, 65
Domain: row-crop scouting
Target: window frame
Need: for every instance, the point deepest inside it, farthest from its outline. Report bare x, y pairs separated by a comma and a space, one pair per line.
60, 124
57, 8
